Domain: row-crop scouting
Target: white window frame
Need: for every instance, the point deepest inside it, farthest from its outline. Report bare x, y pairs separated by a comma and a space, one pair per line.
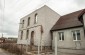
75, 31
61, 36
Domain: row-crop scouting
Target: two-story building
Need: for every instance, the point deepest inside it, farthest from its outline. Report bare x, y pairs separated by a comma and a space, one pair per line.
34, 29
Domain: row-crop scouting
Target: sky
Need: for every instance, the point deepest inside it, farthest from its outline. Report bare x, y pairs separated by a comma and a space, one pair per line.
11, 11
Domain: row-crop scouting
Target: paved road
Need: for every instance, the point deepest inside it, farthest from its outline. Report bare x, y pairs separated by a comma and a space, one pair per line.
2, 52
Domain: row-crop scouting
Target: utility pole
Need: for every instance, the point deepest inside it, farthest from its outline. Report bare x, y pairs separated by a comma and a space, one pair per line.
55, 45
39, 47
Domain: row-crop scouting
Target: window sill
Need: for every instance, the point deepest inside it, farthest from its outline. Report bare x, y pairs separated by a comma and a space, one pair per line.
76, 40
61, 40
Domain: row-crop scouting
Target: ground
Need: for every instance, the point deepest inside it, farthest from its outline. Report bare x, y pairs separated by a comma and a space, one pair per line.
3, 52
48, 53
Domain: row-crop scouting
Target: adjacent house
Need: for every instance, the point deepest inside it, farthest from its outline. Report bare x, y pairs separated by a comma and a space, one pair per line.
69, 35
34, 29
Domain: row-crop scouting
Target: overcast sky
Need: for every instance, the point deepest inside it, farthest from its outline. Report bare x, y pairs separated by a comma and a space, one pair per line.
16, 9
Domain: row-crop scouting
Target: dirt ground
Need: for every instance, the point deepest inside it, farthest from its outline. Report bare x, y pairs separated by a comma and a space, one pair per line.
3, 52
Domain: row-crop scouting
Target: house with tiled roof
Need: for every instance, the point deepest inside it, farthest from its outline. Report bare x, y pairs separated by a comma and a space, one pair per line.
68, 34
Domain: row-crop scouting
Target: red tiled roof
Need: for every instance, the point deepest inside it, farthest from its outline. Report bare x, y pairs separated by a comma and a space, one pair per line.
68, 21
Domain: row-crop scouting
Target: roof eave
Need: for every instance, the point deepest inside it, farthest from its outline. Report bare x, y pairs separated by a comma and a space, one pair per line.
67, 28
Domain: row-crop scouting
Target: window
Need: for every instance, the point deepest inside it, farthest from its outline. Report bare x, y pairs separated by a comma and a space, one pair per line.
22, 23
35, 21
76, 35
61, 36
27, 33
28, 23
32, 38
21, 35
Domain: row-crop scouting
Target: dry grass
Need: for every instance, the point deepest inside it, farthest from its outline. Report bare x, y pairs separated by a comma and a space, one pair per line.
12, 48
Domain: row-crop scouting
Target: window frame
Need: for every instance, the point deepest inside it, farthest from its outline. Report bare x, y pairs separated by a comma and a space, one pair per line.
36, 18
28, 21
76, 36
61, 35
27, 33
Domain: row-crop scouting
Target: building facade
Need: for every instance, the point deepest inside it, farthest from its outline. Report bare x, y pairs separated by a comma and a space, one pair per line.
69, 33
34, 29
46, 29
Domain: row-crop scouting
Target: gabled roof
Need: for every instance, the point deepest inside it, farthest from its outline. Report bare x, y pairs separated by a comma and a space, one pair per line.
68, 21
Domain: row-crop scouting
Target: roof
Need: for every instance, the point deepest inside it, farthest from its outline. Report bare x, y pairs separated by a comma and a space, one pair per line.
68, 21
